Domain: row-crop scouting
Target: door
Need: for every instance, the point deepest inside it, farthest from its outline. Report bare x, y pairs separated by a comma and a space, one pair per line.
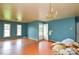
43, 31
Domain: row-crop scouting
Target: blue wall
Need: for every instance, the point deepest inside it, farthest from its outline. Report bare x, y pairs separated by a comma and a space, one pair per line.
62, 29
76, 29
13, 29
33, 30
1, 29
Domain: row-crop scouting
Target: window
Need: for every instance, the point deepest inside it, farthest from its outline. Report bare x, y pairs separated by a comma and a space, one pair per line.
6, 30
19, 30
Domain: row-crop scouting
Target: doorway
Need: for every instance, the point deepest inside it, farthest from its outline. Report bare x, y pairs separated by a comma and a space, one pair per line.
43, 31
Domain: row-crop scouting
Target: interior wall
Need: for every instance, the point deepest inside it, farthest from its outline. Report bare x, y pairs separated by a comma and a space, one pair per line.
13, 29
33, 30
78, 32
1, 29
77, 29
62, 29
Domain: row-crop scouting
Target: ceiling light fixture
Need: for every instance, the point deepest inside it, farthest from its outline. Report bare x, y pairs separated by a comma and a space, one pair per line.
52, 13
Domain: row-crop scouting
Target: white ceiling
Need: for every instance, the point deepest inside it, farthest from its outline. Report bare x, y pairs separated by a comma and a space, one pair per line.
32, 11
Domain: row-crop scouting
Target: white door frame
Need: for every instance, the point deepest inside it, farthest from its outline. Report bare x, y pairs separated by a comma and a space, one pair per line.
43, 31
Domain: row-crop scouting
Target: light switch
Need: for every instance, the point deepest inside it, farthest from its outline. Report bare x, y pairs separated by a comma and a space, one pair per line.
50, 32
